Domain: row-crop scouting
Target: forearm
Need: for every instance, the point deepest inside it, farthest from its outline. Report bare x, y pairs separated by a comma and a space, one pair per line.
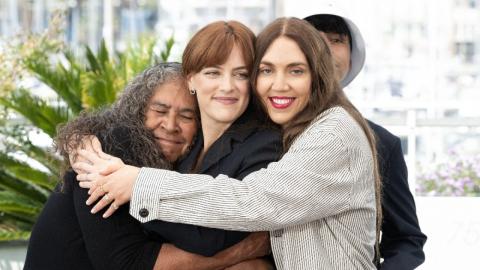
170, 258
195, 239
255, 264
261, 202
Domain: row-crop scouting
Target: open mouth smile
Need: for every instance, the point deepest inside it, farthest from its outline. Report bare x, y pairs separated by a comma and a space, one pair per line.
281, 102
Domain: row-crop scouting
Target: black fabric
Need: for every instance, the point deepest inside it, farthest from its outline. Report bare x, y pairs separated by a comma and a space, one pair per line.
244, 148
67, 236
402, 241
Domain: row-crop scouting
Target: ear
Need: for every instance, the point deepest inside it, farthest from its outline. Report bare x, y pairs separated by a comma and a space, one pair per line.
190, 82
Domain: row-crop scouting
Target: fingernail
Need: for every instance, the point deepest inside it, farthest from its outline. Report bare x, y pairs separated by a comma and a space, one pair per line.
88, 202
93, 211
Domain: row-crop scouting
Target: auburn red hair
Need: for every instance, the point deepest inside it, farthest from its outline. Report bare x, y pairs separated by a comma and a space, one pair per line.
212, 46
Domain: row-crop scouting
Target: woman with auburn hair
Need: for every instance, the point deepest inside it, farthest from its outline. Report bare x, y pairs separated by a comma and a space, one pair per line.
320, 201
217, 63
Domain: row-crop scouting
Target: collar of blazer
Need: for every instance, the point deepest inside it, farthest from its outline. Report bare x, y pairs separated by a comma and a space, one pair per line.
243, 127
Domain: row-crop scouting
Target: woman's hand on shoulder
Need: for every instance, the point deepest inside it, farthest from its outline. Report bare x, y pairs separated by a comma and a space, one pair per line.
106, 177
114, 190
89, 143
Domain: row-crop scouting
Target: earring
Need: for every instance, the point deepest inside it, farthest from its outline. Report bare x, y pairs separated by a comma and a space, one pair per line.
193, 91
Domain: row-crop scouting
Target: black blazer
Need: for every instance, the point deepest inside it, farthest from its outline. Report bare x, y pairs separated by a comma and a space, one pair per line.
402, 241
245, 147
67, 236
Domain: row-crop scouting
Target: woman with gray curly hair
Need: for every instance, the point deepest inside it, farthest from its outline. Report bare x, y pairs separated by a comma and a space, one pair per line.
153, 123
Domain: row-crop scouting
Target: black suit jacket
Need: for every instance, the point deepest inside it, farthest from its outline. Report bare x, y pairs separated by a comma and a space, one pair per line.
244, 148
402, 241
67, 236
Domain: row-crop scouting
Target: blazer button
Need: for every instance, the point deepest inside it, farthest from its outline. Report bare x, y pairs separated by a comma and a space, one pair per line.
143, 212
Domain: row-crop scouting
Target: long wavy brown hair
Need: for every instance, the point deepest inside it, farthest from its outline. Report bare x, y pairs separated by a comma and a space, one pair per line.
121, 127
325, 90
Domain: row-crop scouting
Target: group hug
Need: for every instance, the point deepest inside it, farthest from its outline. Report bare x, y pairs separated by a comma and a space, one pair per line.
246, 155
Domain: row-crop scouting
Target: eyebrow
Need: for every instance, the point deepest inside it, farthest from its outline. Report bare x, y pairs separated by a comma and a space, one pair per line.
235, 69
187, 110
156, 103
182, 110
294, 64
289, 65
240, 68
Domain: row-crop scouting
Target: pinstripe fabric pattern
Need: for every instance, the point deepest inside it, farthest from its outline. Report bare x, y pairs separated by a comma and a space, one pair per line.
318, 201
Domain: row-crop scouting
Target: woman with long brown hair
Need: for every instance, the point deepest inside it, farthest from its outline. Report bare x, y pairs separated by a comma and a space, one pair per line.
320, 201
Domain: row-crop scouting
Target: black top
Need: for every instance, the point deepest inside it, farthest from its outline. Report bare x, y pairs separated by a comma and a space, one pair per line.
244, 148
67, 236
402, 240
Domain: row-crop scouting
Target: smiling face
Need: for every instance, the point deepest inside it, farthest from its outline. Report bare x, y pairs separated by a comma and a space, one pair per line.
284, 80
171, 117
222, 90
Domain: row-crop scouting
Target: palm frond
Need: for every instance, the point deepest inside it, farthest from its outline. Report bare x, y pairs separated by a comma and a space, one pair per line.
10, 183
26, 173
44, 116
11, 235
20, 207
90, 81
168, 48
100, 81
64, 81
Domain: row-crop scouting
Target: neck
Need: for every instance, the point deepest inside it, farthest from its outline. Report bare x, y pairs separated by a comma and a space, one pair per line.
212, 130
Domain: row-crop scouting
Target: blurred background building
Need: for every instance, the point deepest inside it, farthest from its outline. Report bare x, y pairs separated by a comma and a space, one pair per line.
421, 79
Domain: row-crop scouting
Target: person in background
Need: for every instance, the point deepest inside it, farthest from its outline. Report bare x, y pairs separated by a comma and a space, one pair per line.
402, 241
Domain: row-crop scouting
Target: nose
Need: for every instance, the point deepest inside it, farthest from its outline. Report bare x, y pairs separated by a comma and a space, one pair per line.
170, 124
227, 84
280, 82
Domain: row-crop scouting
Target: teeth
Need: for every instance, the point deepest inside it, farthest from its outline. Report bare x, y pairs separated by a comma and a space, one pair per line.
282, 101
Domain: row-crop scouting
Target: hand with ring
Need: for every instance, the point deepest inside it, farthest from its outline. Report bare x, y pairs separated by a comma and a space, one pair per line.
114, 181
93, 166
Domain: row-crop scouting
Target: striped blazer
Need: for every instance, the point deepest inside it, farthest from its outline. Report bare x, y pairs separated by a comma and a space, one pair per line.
317, 201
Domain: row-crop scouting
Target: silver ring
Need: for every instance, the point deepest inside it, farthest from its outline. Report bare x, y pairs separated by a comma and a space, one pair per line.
101, 188
106, 197
114, 206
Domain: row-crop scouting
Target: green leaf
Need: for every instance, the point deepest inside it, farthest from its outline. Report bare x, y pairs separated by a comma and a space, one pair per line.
38, 111
65, 82
168, 48
26, 173
26, 189
19, 206
14, 235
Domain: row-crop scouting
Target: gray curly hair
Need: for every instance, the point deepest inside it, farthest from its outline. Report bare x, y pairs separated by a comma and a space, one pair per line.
137, 94
121, 127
